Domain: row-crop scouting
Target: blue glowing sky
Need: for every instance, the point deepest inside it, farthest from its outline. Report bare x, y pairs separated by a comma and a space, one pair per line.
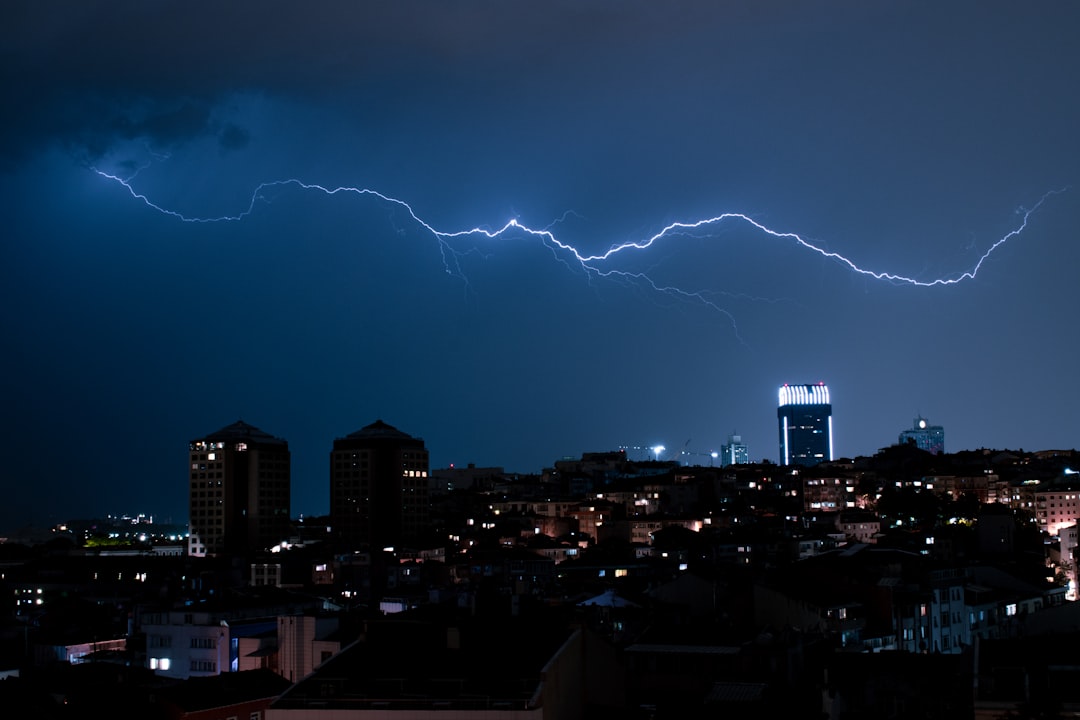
908, 138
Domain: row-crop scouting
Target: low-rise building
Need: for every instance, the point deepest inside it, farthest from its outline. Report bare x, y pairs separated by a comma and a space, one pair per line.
452, 668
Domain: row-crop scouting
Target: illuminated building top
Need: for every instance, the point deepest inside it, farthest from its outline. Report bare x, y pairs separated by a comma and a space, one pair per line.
805, 417
804, 395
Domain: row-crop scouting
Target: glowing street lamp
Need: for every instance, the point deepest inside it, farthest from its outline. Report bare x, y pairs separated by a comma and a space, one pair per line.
658, 449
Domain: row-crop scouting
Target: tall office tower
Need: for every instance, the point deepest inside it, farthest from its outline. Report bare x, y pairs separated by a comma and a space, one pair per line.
735, 452
239, 493
805, 416
930, 438
378, 487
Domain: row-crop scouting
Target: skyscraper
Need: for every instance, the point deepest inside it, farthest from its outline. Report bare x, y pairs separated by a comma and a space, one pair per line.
805, 418
378, 487
239, 491
930, 438
735, 452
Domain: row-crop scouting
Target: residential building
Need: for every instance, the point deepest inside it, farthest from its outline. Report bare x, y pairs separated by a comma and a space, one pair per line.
932, 616
379, 487
239, 492
859, 526
304, 642
228, 635
827, 494
455, 668
1057, 508
239, 695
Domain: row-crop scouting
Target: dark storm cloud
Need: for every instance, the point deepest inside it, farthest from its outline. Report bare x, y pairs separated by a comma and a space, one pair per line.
233, 137
84, 75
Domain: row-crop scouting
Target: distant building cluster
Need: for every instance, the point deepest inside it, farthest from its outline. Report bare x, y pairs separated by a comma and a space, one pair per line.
599, 587
602, 586
380, 479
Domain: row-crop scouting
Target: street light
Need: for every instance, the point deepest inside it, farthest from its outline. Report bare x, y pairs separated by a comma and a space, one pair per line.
658, 449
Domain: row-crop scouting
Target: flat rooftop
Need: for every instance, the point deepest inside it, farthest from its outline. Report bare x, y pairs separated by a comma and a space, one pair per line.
405, 664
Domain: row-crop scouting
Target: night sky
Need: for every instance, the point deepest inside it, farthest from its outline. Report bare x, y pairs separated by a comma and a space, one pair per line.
908, 137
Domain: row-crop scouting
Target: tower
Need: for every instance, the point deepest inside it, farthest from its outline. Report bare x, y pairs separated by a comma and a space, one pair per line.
924, 436
805, 418
378, 487
735, 452
239, 491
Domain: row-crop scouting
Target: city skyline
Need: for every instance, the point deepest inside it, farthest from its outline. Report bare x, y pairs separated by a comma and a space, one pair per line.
842, 146
392, 436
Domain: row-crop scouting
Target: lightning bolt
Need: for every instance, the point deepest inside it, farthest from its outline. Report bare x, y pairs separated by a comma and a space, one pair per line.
593, 265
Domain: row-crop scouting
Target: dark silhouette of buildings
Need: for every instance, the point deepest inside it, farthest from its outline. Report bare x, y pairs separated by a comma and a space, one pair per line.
378, 487
239, 491
898, 585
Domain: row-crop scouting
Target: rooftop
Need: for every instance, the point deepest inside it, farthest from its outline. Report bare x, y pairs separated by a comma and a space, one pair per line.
241, 430
434, 664
229, 688
380, 430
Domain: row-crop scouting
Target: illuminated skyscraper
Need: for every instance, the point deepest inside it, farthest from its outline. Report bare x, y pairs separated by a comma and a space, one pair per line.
805, 418
378, 487
930, 438
239, 491
735, 452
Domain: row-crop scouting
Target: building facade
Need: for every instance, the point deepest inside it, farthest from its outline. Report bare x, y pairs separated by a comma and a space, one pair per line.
239, 491
192, 642
925, 436
734, 452
827, 494
378, 487
1057, 508
805, 419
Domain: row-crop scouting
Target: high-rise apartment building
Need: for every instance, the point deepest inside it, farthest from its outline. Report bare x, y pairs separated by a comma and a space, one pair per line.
805, 418
378, 487
930, 438
239, 491
734, 452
